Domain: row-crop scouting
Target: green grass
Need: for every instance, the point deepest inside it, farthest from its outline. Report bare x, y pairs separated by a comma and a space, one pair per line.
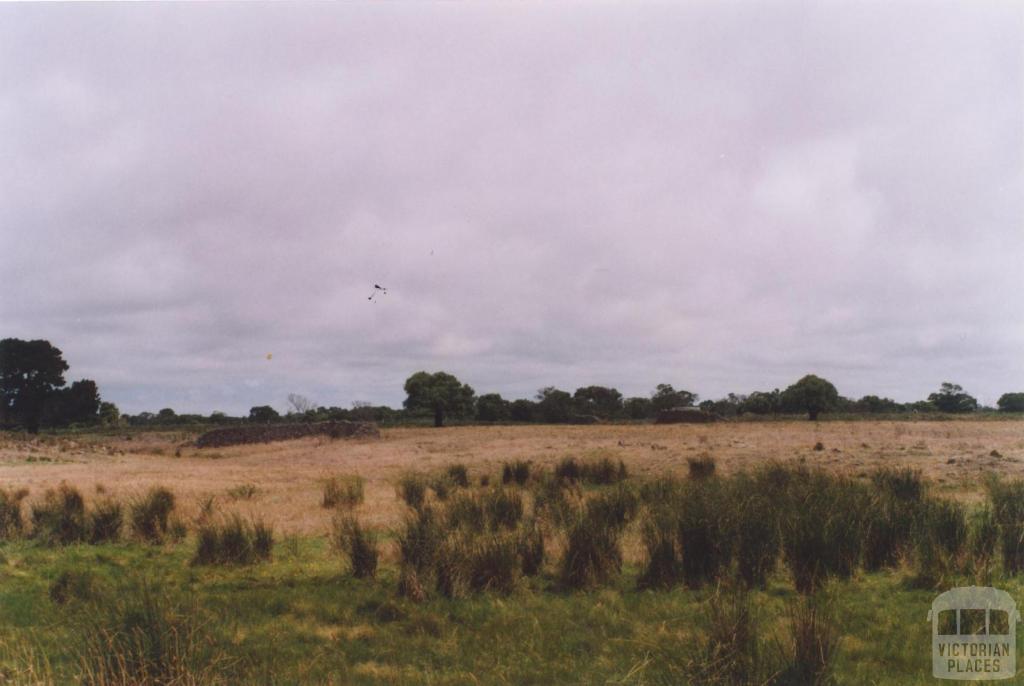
301, 618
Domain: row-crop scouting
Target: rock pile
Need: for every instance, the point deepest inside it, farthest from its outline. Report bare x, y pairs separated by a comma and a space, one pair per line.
265, 433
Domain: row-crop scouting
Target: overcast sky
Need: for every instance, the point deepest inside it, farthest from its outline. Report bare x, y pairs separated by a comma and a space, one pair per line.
720, 196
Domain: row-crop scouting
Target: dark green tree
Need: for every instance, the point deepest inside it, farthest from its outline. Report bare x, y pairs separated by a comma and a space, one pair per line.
812, 395
951, 398
1011, 402
637, 408
665, 397
761, 402
599, 401
30, 371
522, 410
109, 414
553, 405
872, 404
439, 393
491, 407
263, 414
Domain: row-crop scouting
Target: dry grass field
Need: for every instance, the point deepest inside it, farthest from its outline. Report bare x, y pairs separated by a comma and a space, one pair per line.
955, 455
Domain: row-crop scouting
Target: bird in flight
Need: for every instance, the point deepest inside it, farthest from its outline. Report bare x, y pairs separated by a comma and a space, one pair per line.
377, 290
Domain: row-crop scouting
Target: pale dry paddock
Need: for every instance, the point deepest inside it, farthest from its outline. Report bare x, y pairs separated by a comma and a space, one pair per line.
287, 475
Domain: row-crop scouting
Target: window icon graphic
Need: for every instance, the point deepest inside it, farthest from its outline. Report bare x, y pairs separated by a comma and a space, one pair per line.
974, 634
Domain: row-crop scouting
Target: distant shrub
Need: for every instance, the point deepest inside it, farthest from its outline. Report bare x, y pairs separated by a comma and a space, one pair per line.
342, 491
105, 522
515, 472
358, 545
412, 488
60, 518
11, 523
233, 541
149, 515
701, 467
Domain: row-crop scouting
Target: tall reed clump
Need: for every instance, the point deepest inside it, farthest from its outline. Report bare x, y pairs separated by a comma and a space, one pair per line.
143, 636
477, 562
11, 523
593, 551
60, 518
1007, 502
599, 472
555, 500
458, 475
821, 519
889, 520
149, 516
342, 491
730, 652
418, 543
814, 643
704, 532
755, 530
105, 521
233, 542
940, 536
982, 542
358, 545
662, 566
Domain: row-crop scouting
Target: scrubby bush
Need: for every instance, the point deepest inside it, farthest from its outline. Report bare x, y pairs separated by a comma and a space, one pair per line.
342, 491
105, 522
150, 514
233, 541
60, 518
358, 545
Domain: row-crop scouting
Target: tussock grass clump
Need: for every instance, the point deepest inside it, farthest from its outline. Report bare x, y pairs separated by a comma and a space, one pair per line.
419, 542
531, 548
593, 554
704, 536
701, 467
982, 542
105, 522
358, 545
465, 511
60, 518
1007, 501
458, 474
617, 507
503, 508
342, 491
821, 524
495, 508
412, 488
146, 638
11, 523
814, 643
662, 566
554, 500
730, 652
233, 542
905, 484
940, 536
150, 514
755, 528
517, 472
599, 472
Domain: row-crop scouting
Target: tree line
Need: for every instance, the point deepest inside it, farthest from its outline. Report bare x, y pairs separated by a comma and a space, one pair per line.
34, 395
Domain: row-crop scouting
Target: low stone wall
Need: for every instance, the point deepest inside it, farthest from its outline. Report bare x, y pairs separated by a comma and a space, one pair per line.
685, 415
265, 433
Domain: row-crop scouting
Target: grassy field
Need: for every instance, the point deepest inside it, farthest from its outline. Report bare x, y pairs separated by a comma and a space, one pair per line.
67, 611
